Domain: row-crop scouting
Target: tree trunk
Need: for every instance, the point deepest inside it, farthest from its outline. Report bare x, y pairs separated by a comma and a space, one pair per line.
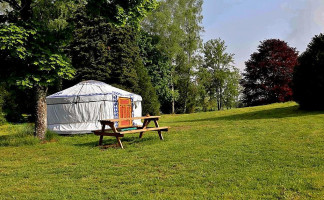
172, 86
217, 98
41, 113
188, 82
220, 100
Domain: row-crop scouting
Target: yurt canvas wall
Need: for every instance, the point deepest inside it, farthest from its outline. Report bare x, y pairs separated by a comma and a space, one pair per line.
77, 109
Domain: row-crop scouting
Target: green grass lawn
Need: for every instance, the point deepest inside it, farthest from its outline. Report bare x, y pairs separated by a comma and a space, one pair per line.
266, 152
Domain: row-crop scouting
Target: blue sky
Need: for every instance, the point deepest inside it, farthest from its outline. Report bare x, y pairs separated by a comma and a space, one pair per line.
244, 23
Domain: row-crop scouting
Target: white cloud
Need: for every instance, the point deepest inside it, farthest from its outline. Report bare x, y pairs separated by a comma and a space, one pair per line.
243, 24
306, 22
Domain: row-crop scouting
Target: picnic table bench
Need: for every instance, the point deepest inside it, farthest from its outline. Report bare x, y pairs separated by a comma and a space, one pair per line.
119, 132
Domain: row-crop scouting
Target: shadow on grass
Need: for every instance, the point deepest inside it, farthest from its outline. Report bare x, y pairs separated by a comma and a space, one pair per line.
274, 113
111, 142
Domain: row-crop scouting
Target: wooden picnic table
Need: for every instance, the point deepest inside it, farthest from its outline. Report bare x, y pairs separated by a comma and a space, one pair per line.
118, 132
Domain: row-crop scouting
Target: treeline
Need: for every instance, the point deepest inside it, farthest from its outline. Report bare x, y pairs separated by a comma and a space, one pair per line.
156, 52
152, 48
276, 73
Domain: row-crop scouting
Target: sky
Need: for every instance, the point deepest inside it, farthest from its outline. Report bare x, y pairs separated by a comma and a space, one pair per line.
242, 24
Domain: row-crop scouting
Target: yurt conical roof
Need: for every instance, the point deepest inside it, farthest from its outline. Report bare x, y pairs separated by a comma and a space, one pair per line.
89, 91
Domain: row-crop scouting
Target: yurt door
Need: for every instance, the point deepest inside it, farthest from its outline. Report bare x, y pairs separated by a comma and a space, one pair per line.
125, 111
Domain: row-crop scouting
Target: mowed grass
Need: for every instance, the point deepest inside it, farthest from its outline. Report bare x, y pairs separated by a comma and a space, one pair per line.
267, 152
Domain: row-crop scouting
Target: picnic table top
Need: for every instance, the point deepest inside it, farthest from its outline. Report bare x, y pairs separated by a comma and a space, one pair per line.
133, 118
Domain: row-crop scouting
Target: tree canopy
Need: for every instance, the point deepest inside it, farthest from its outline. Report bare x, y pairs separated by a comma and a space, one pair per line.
269, 72
121, 12
308, 82
35, 32
177, 24
105, 52
149, 47
218, 76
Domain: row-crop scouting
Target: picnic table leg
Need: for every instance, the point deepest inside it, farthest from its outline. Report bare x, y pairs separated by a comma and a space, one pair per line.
145, 123
100, 140
156, 123
119, 142
101, 136
159, 132
160, 135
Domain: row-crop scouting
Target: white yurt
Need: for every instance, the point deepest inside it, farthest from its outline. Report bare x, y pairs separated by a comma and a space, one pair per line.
77, 109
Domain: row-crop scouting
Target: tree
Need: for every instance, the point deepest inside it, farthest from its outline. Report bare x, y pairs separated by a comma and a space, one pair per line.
32, 65
33, 34
31, 38
268, 74
308, 81
191, 25
151, 104
164, 24
232, 89
218, 75
102, 51
177, 24
121, 12
158, 67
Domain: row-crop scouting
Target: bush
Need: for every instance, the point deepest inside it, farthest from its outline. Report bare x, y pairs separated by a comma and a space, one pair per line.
308, 80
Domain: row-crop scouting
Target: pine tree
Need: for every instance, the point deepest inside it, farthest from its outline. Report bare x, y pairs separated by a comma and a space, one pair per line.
105, 52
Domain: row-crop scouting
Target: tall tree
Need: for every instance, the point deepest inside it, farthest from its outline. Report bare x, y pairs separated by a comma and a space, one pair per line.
269, 72
121, 12
31, 44
308, 81
103, 51
157, 65
218, 75
178, 24
191, 25
163, 22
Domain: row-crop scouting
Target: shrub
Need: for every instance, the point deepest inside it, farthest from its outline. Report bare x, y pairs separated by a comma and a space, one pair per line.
308, 81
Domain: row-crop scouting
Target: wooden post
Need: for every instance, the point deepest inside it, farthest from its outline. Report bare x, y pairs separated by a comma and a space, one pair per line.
119, 142
160, 135
101, 136
159, 132
156, 123
100, 140
146, 122
141, 135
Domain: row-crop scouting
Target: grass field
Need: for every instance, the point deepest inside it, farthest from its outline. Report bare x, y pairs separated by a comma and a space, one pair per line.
267, 152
